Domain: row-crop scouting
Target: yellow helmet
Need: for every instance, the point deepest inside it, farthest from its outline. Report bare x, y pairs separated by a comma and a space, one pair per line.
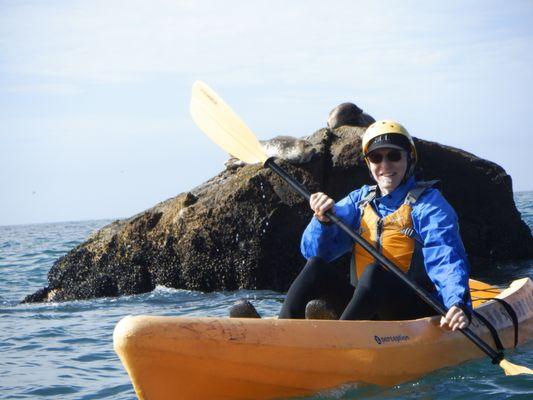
390, 134
387, 133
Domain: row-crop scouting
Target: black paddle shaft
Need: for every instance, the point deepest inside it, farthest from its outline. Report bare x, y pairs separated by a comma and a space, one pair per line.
299, 188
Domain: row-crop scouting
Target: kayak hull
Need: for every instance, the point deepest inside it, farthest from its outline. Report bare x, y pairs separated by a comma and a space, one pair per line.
223, 358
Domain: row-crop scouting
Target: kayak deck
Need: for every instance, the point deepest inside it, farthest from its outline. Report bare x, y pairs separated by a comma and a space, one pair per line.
223, 358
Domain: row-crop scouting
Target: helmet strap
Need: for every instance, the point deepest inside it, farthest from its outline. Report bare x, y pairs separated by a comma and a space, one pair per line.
409, 170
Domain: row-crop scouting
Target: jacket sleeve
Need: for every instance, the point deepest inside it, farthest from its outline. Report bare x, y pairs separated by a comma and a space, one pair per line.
444, 254
328, 240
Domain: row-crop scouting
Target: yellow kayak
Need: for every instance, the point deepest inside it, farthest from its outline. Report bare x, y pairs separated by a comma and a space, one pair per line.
235, 358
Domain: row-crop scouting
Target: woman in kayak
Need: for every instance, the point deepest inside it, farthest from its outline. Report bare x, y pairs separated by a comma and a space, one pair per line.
410, 222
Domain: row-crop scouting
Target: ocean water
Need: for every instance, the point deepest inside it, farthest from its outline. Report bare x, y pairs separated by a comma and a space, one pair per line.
65, 350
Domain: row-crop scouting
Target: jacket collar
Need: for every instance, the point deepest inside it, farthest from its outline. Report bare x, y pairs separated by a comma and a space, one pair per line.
397, 196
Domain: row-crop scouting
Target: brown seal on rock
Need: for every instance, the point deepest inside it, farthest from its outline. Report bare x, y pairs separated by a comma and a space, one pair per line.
348, 114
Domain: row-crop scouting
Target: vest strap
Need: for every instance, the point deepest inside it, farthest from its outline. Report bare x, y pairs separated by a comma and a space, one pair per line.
414, 194
410, 232
371, 195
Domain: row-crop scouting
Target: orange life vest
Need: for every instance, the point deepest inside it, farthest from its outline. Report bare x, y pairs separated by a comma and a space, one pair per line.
393, 235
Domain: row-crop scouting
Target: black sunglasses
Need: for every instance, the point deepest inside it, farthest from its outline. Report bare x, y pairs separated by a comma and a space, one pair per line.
392, 156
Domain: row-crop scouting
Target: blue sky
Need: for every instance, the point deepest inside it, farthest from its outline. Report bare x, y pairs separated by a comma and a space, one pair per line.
94, 95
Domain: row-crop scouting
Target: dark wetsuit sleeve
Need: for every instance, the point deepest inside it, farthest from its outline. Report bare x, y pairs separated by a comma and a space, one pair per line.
444, 254
328, 240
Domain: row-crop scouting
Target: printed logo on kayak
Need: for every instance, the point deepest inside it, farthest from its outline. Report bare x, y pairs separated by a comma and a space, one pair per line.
390, 339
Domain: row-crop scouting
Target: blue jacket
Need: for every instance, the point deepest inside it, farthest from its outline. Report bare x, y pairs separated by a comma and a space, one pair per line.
435, 222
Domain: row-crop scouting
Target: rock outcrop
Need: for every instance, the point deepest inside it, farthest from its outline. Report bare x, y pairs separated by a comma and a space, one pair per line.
242, 228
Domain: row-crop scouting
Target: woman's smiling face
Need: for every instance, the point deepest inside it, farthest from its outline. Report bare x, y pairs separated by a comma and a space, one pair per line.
387, 174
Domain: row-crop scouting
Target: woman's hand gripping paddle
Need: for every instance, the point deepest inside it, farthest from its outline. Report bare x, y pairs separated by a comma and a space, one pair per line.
218, 121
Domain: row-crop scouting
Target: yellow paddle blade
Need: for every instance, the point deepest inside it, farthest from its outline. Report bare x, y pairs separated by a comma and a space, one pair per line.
513, 369
223, 126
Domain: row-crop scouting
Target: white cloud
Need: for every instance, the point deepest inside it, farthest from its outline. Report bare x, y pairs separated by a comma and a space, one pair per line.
295, 42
